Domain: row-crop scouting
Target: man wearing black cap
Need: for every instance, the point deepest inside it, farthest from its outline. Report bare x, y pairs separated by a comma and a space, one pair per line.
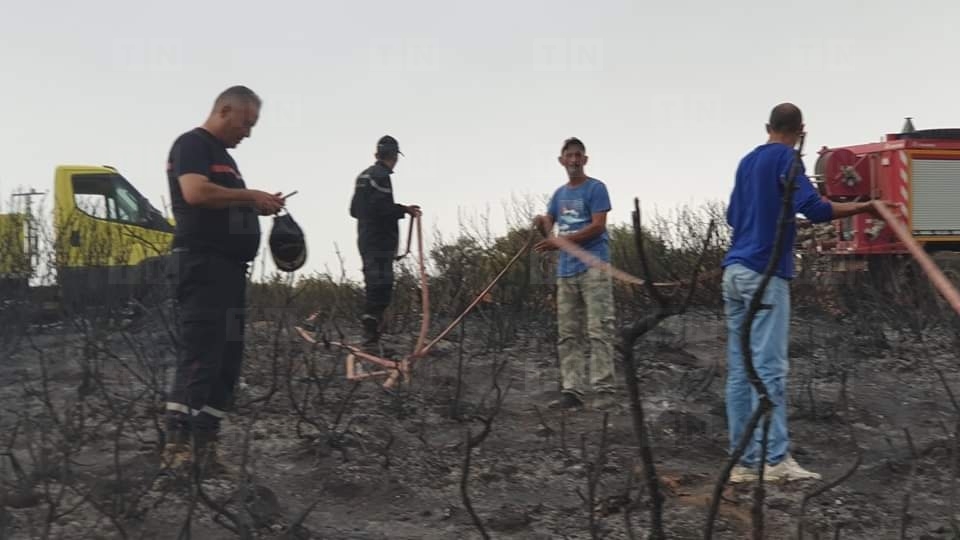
378, 232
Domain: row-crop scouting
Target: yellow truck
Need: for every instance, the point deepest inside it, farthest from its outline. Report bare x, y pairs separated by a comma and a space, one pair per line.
15, 268
109, 244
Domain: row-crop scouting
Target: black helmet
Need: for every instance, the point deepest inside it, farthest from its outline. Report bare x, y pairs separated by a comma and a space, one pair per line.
287, 244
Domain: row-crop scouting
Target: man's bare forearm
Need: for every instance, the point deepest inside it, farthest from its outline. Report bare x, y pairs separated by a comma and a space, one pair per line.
587, 233
842, 210
210, 195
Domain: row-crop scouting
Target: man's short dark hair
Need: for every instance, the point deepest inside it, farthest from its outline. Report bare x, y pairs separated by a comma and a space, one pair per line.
239, 93
786, 118
573, 141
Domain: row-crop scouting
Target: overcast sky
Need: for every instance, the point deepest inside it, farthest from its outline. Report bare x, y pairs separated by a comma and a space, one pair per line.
667, 96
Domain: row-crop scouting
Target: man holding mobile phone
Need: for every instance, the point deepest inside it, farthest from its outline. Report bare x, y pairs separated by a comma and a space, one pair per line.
217, 236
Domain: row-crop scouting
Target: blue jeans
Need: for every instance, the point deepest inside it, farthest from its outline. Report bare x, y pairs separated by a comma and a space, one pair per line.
769, 342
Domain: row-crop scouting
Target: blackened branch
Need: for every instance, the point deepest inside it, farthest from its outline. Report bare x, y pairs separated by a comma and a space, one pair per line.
663, 310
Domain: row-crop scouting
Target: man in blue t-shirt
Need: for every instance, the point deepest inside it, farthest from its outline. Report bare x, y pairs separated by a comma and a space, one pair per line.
753, 214
584, 294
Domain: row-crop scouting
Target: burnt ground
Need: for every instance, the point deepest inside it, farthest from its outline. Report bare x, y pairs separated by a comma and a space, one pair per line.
330, 459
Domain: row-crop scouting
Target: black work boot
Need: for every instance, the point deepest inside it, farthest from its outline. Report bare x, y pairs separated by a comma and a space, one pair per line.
568, 400
177, 454
605, 401
371, 329
209, 458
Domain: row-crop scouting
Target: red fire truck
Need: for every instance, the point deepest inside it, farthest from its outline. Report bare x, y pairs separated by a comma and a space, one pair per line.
918, 168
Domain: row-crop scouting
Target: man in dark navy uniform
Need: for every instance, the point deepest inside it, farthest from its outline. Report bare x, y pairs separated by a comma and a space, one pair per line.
378, 233
217, 235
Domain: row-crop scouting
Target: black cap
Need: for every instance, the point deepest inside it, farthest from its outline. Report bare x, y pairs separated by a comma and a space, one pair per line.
389, 145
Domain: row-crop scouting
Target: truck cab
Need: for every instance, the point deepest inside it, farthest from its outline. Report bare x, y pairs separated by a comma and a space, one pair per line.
111, 243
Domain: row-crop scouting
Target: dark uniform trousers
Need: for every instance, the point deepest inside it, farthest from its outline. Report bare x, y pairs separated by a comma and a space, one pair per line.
210, 295
378, 278
377, 215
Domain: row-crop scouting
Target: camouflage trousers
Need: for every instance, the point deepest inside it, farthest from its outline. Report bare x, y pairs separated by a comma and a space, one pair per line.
585, 327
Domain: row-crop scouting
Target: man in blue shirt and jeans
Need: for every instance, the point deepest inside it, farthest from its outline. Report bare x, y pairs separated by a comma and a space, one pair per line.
753, 214
584, 294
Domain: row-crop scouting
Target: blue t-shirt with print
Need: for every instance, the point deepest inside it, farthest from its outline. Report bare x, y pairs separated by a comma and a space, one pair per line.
755, 204
572, 209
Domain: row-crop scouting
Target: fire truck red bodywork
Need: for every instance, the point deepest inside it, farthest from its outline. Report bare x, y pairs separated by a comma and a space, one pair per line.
919, 169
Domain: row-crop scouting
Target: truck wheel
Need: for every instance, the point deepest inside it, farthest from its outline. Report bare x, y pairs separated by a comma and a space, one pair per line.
911, 296
949, 263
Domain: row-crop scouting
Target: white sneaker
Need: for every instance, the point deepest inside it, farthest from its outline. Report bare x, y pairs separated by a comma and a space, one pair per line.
740, 474
788, 469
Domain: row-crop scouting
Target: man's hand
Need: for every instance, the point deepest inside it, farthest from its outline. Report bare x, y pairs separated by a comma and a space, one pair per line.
414, 210
891, 205
538, 223
548, 244
266, 203
542, 223
846, 209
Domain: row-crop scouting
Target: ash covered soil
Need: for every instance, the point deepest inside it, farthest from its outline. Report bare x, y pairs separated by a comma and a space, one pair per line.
329, 458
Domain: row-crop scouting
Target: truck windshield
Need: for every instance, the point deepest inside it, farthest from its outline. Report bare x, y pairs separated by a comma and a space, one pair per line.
112, 197
128, 207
